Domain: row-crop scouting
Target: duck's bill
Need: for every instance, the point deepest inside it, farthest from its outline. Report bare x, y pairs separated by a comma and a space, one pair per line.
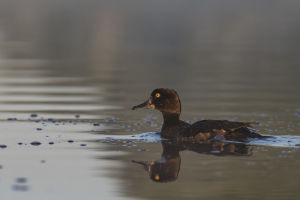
143, 163
146, 104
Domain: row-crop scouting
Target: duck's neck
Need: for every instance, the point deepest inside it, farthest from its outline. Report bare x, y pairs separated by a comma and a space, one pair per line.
171, 118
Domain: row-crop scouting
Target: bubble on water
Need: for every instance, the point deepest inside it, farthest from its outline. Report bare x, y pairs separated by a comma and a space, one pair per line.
35, 143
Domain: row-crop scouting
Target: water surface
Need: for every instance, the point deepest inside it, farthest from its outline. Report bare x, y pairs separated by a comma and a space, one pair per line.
70, 71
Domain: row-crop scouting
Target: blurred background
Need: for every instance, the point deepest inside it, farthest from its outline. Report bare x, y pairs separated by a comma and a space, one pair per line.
233, 59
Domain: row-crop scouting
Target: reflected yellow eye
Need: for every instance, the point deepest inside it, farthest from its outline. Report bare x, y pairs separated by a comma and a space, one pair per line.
156, 177
157, 95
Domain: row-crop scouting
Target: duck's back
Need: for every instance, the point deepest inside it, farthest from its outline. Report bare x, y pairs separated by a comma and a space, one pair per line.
207, 129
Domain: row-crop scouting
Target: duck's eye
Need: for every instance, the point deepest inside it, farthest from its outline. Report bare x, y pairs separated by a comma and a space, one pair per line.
157, 95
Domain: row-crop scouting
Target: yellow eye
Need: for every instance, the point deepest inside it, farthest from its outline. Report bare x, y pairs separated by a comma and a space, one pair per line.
156, 177
157, 95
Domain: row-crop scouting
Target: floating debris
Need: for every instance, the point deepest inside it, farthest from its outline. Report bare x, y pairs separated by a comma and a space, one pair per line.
3, 146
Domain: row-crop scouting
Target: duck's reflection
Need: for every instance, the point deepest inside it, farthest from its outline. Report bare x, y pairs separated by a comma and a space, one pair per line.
167, 168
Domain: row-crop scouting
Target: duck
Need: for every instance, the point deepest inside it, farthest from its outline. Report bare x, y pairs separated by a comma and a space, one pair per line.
167, 101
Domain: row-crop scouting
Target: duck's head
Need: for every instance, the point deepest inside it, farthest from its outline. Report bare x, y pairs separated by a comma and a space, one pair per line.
163, 99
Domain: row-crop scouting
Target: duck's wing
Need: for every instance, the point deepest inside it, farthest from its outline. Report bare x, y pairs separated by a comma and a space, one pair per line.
218, 125
207, 129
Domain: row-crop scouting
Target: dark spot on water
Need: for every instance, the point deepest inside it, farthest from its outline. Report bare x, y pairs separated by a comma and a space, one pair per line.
297, 145
51, 143
21, 180
70, 121
137, 123
70, 141
21, 188
12, 119
2, 146
39, 129
33, 115
77, 116
43, 161
1, 166
83, 145
96, 124
35, 143
51, 119
20, 143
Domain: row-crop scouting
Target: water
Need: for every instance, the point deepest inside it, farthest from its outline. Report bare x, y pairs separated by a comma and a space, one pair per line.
70, 71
